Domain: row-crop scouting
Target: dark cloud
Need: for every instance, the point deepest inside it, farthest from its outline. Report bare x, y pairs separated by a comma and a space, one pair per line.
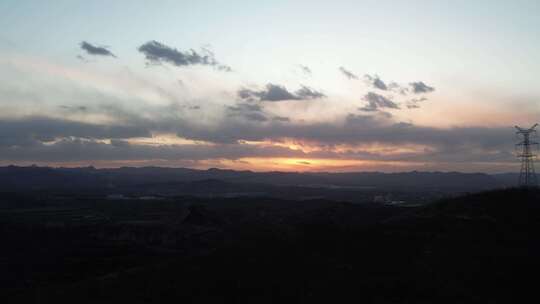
420, 87
156, 53
347, 73
376, 102
309, 93
73, 149
379, 84
233, 130
245, 107
252, 112
255, 116
42, 129
274, 92
46, 139
364, 129
96, 50
375, 82
247, 94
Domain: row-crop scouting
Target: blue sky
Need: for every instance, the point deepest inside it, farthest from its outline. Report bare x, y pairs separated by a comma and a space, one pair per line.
480, 57
432, 36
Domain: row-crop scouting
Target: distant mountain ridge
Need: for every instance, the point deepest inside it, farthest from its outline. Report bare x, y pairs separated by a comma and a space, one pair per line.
33, 177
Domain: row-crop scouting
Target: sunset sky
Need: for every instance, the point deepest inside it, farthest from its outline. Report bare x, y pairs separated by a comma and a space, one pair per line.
274, 85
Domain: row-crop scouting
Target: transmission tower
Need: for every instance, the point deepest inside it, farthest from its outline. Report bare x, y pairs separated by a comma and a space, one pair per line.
527, 176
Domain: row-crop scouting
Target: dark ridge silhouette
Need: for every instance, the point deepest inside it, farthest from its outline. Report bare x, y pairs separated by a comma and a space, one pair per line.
13, 177
476, 248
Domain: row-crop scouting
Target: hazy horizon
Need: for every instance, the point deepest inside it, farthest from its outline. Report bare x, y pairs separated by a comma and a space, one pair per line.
244, 170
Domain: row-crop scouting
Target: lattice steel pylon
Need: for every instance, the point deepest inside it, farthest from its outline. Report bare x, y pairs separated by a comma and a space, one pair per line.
527, 175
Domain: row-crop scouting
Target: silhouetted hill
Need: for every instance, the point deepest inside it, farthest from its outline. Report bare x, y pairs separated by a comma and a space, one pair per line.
33, 177
500, 205
509, 179
476, 248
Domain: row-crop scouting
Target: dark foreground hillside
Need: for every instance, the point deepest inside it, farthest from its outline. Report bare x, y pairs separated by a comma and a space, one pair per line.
480, 248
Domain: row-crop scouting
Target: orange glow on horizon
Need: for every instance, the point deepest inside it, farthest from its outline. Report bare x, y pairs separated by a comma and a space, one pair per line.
376, 148
313, 165
285, 165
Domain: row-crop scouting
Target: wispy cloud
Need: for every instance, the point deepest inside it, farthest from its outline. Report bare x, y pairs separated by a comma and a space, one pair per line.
415, 102
375, 82
253, 112
308, 93
347, 73
305, 69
